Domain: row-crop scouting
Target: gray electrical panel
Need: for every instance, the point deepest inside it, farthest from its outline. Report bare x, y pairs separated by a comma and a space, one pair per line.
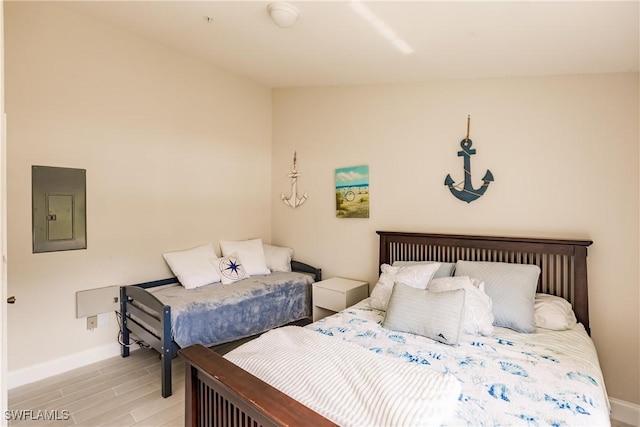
59, 203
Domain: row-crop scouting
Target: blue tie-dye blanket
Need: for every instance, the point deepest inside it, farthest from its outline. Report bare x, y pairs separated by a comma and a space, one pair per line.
215, 314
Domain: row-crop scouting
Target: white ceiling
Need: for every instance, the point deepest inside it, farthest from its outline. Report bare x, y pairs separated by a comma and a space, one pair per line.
340, 42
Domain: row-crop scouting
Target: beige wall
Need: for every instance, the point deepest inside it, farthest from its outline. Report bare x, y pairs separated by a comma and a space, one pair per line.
563, 151
177, 154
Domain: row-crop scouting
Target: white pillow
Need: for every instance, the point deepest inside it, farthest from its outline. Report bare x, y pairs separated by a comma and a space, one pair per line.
445, 270
554, 313
250, 252
477, 318
230, 269
278, 258
417, 276
192, 267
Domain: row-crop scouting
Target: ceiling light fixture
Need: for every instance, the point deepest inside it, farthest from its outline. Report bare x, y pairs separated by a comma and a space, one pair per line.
283, 14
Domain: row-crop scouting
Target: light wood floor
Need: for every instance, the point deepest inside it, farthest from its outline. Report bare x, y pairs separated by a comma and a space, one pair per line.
114, 392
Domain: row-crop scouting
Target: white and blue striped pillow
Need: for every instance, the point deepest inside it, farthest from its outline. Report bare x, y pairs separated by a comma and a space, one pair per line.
435, 315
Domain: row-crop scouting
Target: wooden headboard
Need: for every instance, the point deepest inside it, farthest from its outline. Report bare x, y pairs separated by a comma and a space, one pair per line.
563, 263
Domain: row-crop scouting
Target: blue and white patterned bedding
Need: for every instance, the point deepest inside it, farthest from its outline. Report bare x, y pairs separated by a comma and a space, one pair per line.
215, 314
546, 378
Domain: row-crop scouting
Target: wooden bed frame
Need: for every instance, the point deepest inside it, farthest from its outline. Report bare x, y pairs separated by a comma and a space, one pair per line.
218, 393
152, 322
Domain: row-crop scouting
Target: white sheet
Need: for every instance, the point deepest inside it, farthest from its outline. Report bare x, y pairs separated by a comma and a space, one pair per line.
346, 383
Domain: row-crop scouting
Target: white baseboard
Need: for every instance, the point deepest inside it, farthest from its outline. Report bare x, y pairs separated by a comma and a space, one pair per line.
628, 413
44, 370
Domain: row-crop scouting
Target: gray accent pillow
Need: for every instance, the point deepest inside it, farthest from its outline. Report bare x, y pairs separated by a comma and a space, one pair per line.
435, 315
512, 289
445, 270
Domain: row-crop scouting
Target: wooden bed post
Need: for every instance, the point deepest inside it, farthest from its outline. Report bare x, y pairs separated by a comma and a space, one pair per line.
383, 253
581, 305
190, 394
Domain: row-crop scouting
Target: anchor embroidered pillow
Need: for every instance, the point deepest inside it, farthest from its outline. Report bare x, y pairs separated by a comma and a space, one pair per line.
230, 269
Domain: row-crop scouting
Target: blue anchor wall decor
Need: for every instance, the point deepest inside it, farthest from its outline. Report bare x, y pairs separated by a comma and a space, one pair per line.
468, 193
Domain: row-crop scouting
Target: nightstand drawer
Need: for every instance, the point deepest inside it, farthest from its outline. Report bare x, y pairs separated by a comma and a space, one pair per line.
329, 299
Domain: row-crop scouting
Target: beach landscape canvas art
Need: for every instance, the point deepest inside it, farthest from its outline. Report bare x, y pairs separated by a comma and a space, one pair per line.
352, 192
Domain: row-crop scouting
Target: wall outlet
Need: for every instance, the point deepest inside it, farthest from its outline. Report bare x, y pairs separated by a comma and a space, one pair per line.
92, 322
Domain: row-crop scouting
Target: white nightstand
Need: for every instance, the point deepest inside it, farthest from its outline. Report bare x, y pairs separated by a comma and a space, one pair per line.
335, 294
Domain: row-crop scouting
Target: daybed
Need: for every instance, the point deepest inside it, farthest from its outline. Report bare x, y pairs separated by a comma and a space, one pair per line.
167, 316
506, 377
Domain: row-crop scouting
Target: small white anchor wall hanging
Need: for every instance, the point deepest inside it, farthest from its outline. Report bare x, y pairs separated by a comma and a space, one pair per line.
467, 193
294, 201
